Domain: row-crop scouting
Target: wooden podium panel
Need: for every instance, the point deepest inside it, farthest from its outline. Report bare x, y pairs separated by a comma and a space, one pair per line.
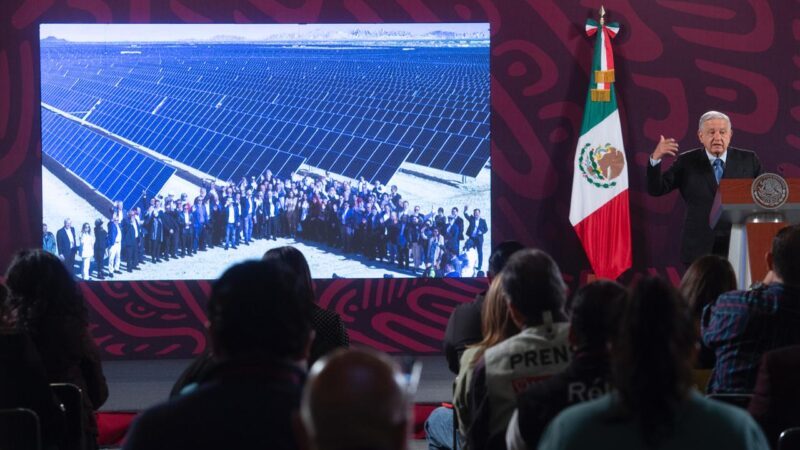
737, 190
760, 224
759, 242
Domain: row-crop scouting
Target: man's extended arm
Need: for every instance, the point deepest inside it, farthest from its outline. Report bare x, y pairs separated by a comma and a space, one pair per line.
658, 183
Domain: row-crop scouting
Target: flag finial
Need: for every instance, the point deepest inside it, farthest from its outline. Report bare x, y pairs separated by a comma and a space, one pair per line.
602, 15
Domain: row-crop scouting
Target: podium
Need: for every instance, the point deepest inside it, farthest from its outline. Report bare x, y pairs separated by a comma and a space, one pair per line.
754, 226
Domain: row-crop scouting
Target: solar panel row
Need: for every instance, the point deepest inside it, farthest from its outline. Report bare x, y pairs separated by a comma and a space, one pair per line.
115, 171
354, 112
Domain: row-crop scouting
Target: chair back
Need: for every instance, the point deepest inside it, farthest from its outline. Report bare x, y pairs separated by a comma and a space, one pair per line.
740, 400
71, 398
19, 430
789, 439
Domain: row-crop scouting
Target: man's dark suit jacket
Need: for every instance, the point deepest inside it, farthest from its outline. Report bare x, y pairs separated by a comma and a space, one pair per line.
777, 393
128, 238
62, 241
692, 175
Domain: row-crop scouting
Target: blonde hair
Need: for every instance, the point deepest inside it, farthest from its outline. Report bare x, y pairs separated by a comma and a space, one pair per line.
496, 323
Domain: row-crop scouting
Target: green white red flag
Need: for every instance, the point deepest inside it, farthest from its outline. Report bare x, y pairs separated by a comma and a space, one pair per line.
600, 210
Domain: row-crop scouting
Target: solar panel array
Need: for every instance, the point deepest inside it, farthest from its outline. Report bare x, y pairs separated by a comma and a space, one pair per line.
114, 170
232, 109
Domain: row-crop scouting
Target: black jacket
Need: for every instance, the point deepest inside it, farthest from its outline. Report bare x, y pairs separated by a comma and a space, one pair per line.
692, 175
239, 404
463, 329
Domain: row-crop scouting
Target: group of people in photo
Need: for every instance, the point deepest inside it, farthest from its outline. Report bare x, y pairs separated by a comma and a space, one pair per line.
362, 219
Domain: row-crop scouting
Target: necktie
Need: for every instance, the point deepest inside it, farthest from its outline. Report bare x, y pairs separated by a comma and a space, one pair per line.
718, 169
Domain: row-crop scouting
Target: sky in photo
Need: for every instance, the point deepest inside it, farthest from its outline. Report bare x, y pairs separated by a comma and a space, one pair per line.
245, 32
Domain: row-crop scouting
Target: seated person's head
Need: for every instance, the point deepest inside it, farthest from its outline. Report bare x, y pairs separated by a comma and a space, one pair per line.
594, 317
784, 259
293, 258
40, 288
260, 309
500, 255
652, 356
534, 288
705, 280
353, 399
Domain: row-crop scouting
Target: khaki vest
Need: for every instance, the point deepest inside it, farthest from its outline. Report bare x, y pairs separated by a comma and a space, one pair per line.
536, 353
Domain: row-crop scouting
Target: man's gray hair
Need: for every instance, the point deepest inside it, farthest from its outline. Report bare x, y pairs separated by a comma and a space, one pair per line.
711, 115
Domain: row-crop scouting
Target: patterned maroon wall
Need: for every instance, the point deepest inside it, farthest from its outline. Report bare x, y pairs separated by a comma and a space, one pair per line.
675, 59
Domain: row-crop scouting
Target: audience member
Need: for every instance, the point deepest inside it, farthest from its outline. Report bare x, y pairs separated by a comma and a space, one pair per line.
260, 330
23, 381
535, 292
594, 320
50, 309
496, 327
743, 325
705, 280
464, 325
777, 393
329, 330
654, 405
353, 400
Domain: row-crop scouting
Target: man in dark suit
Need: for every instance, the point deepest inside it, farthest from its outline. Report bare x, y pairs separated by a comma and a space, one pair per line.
454, 231
67, 245
476, 229
199, 220
130, 240
100, 238
696, 174
248, 209
169, 220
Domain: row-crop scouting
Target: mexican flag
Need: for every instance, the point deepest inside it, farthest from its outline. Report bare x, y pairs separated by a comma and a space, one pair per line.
600, 210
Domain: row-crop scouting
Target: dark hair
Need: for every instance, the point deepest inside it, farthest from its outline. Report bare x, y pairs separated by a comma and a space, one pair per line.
595, 312
652, 357
533, 284
40, 289
257, 308
293, 258
786, 254
500, 254
704, 281
6, 321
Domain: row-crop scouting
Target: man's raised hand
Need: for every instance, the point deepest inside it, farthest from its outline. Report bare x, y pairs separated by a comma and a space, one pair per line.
668, 147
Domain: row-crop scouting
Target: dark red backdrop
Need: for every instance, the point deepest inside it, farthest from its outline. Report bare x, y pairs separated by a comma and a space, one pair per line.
675, 59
